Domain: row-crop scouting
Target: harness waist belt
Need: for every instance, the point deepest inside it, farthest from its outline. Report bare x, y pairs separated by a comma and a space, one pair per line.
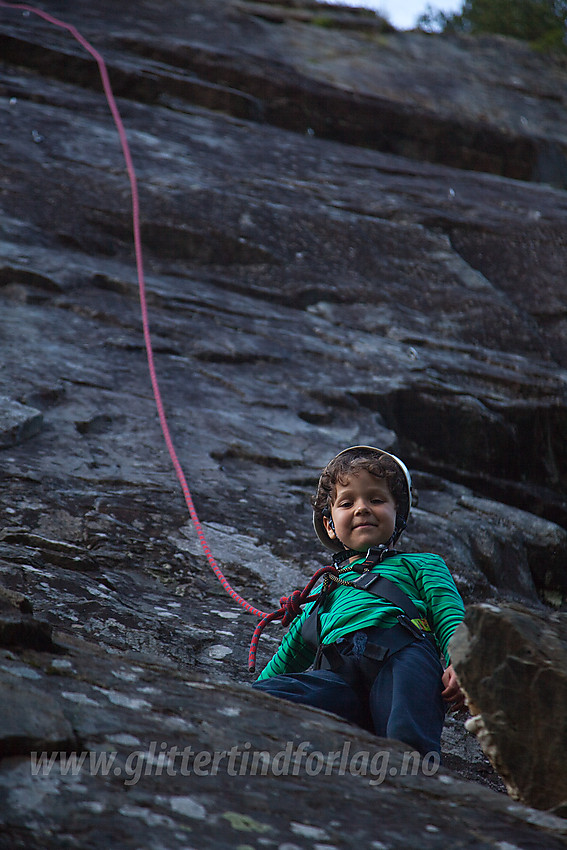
381, 644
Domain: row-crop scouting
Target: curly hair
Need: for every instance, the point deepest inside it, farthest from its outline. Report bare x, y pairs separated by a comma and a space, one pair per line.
348, 463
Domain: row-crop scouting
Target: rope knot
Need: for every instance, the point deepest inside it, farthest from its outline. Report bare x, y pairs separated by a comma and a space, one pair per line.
292, 606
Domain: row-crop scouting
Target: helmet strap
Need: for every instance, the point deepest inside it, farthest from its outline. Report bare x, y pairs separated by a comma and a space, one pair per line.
401, 525
343, 555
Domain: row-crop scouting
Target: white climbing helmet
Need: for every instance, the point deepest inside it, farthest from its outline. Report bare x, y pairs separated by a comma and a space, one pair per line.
403, 508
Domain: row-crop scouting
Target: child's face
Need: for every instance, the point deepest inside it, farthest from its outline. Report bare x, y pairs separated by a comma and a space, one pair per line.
363, 512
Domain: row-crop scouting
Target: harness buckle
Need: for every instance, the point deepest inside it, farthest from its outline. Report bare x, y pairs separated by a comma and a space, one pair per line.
366, 580
374, 556
405, 621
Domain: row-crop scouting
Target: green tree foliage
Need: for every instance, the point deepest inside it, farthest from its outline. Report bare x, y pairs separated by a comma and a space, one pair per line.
541, 22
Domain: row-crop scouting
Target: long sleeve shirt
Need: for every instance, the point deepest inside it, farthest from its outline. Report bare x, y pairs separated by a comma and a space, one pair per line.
425, 578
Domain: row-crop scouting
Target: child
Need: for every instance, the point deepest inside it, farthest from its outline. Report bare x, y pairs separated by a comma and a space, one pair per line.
374, 632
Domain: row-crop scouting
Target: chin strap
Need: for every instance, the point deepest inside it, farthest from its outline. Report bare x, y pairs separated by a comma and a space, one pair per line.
401, 525
342, 556
375, 555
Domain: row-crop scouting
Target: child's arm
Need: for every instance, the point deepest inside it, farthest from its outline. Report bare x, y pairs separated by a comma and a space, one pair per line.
447, 611
439, 592
294, 654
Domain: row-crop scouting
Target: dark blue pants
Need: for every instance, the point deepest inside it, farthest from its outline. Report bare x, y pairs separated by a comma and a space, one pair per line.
404, 701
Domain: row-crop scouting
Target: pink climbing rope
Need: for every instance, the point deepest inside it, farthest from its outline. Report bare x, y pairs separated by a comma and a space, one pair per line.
290, 606
142, 287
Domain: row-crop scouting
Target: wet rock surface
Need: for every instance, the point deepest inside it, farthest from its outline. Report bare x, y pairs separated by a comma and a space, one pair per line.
308, 288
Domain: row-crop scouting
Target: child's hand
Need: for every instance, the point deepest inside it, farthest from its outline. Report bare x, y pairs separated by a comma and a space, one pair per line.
452, 692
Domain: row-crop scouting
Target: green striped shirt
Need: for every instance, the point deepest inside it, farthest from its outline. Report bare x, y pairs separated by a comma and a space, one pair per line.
425, 578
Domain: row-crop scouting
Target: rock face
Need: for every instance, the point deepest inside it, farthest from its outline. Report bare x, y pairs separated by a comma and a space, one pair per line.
513, 666
350, 235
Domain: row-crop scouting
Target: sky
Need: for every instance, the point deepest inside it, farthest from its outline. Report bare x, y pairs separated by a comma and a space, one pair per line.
403, 14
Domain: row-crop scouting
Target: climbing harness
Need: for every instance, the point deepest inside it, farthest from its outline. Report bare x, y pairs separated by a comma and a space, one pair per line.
411, 624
